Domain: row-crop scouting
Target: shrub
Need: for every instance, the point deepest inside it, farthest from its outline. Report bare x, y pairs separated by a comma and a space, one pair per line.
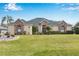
76, 29
6, 33
34, 29
39, 33
0, 35
24, 32
13, 35
54, 32
69, 32
8, 36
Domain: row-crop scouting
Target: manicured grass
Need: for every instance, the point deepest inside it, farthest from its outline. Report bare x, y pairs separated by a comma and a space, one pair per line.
41, 45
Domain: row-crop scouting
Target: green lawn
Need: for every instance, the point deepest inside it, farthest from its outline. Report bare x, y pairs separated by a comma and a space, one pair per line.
41, 45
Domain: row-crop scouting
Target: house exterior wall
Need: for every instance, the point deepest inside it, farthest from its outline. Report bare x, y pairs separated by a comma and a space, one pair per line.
25, 29
69, 28
54, 28
11, 29
28, 29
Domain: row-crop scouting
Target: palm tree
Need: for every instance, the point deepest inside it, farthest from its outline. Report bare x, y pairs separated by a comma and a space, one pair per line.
8, 19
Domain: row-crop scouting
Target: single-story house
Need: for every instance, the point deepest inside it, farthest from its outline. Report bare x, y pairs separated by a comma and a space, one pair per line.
42, 24
21, 26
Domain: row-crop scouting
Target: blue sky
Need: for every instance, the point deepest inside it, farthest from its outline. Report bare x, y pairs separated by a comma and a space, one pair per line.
68, 12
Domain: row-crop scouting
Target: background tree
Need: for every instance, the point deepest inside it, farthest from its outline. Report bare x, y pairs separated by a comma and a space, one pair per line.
76, 28
77, 24
34, 29
48, 28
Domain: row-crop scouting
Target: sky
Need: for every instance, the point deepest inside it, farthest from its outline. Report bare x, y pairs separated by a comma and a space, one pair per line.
68, 12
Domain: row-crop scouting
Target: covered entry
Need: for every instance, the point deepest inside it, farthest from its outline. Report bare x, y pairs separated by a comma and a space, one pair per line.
19, 27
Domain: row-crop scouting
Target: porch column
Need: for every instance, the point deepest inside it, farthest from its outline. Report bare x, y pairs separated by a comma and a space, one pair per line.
40, 28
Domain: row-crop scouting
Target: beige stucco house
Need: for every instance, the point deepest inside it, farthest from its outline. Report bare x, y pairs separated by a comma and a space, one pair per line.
22, 27
43, 23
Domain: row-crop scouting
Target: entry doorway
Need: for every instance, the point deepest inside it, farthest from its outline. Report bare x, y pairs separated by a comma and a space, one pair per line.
19, 29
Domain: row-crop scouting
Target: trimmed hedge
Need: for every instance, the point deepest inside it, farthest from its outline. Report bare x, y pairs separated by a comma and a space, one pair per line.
69, 32
56, 32
76, 30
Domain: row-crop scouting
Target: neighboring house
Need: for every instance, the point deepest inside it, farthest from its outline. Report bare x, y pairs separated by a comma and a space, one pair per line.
19, 27
42, 23
3, 29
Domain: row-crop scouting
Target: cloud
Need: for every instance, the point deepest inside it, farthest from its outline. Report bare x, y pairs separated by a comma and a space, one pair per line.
71, 8
73, 4
60, 4
67, 4
12, 7
63, 5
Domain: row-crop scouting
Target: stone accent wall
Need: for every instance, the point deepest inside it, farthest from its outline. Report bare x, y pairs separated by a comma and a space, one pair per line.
40, 26
18, 24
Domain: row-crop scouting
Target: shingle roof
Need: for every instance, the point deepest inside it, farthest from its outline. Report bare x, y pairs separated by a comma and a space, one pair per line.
36, 21
23, 21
